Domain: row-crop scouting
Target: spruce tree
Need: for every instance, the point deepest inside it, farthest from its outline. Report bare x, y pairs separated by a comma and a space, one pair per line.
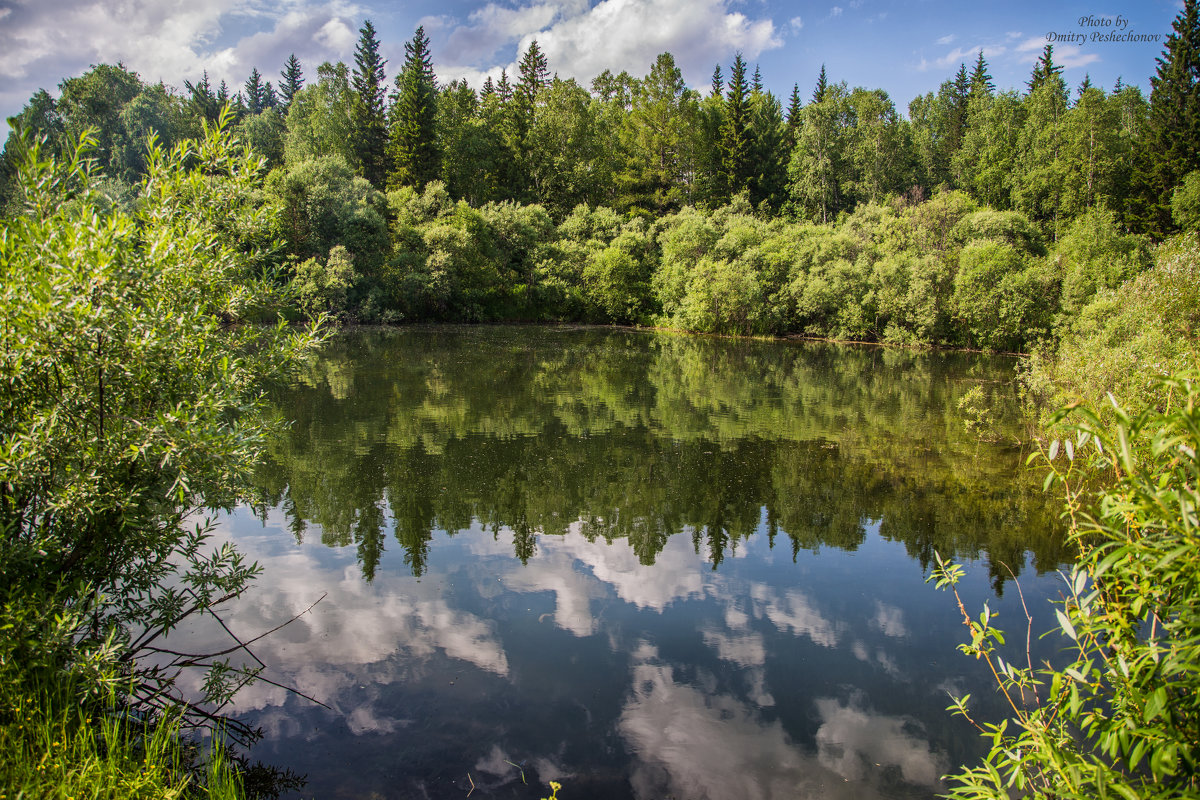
769, 151
203, 101
1043, 69
1084, 85
293, 80
414, 149
735, 136
718, 83
821, 88
489, 89
756, 84
1170, 148
960, 96
256, 92
534, 77
368, 112
793, 117
981, 81
504, 89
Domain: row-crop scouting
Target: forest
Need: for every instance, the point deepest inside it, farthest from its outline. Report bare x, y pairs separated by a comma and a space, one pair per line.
144, 227
984, 218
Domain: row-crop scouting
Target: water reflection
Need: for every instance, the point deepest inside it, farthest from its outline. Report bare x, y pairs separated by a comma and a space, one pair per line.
644, 566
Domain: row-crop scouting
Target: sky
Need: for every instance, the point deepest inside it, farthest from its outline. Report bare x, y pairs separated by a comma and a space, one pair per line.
906, 47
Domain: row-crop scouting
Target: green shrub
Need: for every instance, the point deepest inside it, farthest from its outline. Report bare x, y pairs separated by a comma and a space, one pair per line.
1007, 227
1004, 302
1093, 255
1185, 203
130, 404
1120, 717
1126, 339
321, 287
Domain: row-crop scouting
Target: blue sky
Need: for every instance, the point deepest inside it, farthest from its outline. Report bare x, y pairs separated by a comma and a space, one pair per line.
906, 47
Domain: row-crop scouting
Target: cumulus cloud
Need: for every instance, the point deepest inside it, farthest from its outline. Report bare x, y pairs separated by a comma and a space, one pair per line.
711, 746
1065, 55
796, 24
851, 737
962, 55
793, 611
167, 40
581, 41
889, 620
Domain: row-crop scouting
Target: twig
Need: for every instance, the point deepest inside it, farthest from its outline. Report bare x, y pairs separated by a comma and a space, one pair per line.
1028, 636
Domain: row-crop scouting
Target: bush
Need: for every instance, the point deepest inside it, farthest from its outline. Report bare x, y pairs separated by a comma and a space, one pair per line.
1093, 255
1122, 717
130, 405
1185, 203
1003, 302
321, 287
1126, 339
321, 204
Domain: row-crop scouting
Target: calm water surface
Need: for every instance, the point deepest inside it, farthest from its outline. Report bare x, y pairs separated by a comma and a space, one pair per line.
642, 565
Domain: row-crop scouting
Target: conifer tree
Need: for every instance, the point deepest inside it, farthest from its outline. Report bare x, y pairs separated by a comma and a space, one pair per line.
293, 80
1043, 69
504, 89
769, 151
534, 77
718, 83
369, 114
981, 81
414, 149
793, 117
821, 88
756, 84
256, 92
1171, 147
489, 89
960, 96
203, 101
735, 135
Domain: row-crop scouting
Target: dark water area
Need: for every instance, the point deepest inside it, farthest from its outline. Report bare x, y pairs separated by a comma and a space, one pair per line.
641, 565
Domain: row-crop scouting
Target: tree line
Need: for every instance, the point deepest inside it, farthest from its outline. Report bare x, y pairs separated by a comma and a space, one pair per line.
652, 145
984, 218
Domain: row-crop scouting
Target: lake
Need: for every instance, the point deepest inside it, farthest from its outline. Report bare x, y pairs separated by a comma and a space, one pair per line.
642, 565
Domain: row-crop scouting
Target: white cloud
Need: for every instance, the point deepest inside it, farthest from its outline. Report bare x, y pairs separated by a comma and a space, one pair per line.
169, 40
851, 737
889, 620
947, 39
745, 650
1065, 55
710, 746
793, 611
796, 24
836, 11
581, 41
1032, 45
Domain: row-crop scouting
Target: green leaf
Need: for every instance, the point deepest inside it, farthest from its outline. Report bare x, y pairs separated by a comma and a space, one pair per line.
1064, 622
1155, 704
